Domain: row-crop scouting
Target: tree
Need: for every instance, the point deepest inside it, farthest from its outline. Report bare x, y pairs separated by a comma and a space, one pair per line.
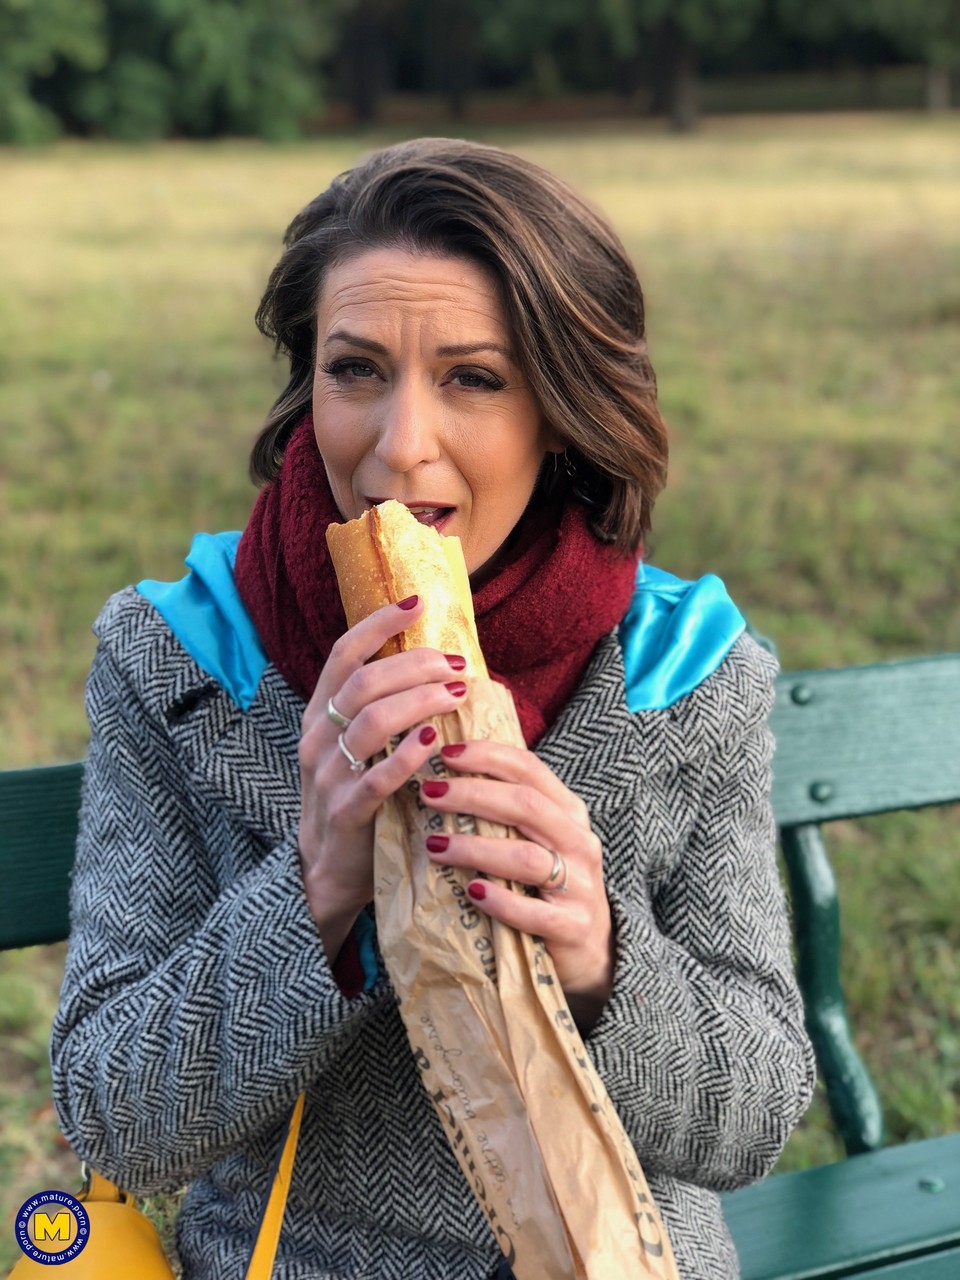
204, 68
451, 36
526, 34
845, 24
928, 30
675, 34
37, 36
368, 31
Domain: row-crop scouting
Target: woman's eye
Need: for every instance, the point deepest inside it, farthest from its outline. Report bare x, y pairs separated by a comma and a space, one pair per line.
478, 380
350, 370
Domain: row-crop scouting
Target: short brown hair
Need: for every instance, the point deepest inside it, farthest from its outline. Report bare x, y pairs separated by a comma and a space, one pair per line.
571, 294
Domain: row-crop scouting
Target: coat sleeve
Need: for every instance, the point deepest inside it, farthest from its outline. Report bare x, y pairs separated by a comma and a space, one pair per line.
702, 1044
191, 1014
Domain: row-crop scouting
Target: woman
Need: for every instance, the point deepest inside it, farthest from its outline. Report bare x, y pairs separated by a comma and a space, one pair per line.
465, 335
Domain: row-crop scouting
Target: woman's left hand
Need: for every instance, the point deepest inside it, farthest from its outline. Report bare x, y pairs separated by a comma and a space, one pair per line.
519, 790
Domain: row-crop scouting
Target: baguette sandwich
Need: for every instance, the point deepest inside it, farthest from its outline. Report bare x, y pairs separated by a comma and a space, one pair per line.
387, 555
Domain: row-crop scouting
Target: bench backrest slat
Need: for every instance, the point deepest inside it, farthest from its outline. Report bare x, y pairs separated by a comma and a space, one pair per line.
39, 812
862, 740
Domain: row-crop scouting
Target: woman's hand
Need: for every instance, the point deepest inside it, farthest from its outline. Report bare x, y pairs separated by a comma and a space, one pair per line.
519, 790
381, 700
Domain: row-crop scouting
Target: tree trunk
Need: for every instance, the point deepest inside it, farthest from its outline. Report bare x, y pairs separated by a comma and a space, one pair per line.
869, 85
366, 61
450, 52
938, 89
682, 68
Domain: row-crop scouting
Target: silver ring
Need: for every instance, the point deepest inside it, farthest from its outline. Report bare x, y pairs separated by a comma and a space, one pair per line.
356, 766
336, 716
558, 865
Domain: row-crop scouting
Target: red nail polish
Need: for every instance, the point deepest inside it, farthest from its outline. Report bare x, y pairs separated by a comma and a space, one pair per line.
477, 890
455, 749
456, 660
409, 603
434, 790
438, 844
427, 734
457, 688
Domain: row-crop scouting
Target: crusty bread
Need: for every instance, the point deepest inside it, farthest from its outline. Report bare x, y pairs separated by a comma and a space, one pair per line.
387, 555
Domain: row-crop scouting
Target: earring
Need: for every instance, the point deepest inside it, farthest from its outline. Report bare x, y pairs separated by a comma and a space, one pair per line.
583, 483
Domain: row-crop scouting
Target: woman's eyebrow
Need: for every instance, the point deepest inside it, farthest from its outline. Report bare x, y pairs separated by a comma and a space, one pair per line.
457, 349
472, 348
354, 340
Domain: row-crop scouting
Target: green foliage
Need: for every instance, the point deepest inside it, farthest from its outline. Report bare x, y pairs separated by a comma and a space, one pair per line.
250, 64
714, 23
133, 100
36, 36
145, 69
927, 29
527, 34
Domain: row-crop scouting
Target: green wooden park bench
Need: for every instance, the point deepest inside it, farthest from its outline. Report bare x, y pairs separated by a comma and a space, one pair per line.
850, 742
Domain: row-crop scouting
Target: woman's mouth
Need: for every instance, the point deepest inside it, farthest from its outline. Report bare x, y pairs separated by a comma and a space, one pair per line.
433, 514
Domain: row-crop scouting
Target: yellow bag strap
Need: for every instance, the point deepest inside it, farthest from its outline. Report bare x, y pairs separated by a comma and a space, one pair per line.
97, 1187
260, 1267
268, 1236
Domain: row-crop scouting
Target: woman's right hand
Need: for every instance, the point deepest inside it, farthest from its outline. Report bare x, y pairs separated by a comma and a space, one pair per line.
382, 700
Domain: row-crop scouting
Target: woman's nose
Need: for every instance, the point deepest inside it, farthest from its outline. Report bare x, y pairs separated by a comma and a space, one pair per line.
408, 428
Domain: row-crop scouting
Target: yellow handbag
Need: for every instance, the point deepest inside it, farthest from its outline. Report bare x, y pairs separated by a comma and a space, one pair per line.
123, 1243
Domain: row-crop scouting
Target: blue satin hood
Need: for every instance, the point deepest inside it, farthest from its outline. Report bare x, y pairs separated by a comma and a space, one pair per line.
674, 635
204, 611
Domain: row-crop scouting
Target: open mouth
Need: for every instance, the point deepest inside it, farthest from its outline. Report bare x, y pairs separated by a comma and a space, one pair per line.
432, 514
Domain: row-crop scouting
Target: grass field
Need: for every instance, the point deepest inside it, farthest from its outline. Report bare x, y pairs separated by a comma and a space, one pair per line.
803, 282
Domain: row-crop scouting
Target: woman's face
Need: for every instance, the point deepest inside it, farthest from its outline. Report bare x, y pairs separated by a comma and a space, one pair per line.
417, 396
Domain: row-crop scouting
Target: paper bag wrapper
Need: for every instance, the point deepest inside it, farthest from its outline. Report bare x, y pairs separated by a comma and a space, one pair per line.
526, 1113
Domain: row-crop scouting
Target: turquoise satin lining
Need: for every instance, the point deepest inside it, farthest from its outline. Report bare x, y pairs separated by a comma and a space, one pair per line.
205, 613
674, 635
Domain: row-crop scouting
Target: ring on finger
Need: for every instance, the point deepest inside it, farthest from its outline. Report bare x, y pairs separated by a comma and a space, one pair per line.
356, 766
336, 716
559, 868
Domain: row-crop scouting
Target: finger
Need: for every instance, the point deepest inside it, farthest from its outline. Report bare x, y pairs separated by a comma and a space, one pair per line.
557, 922
522, 861
535, 815
356, 798
375, 727
400, 672
578, 939
361, 642
515, 764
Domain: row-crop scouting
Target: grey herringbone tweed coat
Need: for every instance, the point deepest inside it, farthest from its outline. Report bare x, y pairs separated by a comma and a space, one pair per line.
198, 1002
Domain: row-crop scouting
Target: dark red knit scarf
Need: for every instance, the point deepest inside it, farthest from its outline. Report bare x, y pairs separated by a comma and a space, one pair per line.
539, 617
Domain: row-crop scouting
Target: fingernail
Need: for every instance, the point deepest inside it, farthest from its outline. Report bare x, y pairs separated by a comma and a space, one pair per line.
457, 688
427, 734
477, 890
434, 790
456, 660
409, 603
455, 749
438, 844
